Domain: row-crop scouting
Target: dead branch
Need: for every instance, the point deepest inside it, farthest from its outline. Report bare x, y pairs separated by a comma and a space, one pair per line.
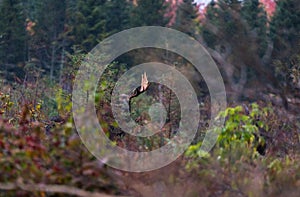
266, 59
51, 189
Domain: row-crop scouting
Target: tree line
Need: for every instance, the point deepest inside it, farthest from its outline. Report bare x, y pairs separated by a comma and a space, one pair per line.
246, 43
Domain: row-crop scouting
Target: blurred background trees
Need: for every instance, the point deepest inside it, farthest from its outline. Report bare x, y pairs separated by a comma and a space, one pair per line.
254, 43
243, 34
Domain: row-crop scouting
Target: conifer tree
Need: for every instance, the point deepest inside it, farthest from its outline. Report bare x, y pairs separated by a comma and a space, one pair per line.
232, 36
117, 15
88, 23
147, 13
285, 28
285, 32
256, 18
12, 32
186, 17
47, 44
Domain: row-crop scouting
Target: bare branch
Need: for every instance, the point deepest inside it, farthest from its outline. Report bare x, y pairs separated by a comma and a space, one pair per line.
227, 67
266, 59
51, 189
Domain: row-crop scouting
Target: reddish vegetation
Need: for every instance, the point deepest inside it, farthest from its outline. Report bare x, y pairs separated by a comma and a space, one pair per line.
270, 6
173, 8
172, 12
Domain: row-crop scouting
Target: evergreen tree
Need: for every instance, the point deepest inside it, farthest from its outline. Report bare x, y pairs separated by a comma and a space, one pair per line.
285, 28
186, 17
219, 14
231, 32
88, 23
47, 44
235, 4
232, 20
285, 32
256, 17
117, 15
211, 14
147, 13
12, 32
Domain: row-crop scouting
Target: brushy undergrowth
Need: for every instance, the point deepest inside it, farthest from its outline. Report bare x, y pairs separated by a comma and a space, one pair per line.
256, 154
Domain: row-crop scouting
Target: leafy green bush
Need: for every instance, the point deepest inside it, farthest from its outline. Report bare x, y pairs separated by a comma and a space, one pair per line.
240, 135
235, 168
242, 130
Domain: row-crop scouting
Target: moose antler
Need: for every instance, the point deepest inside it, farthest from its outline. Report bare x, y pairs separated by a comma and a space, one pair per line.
137, 91
144, 82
